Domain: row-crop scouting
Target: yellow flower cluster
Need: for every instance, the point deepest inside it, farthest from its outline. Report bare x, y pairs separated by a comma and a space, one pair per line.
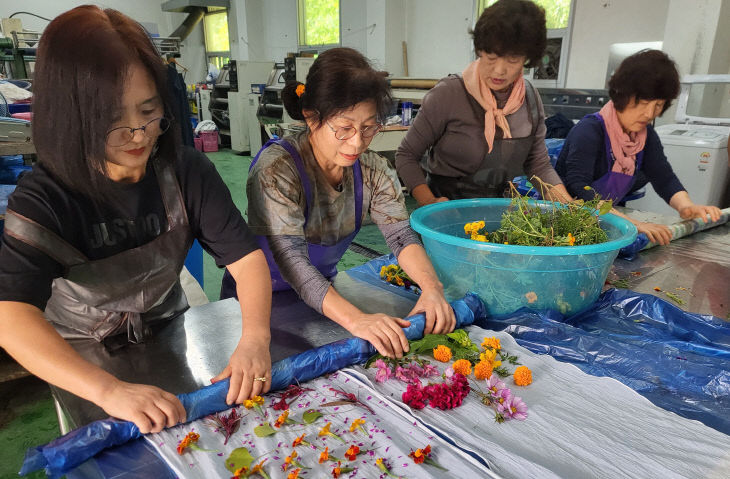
472, 229
256, 401
492, 343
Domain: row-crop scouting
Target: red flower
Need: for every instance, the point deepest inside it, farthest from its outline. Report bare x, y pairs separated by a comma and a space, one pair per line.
415, 396
352, 452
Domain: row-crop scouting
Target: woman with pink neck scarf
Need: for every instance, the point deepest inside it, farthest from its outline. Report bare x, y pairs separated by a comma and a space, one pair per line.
487, 126
616, 151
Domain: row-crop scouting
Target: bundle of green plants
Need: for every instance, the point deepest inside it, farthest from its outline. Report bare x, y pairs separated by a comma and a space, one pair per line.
530, 223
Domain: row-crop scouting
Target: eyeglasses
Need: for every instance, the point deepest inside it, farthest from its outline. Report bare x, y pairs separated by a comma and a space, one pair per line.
346, 132
124, 134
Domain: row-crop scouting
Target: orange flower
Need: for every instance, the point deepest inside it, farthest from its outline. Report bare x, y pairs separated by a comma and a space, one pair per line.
298, 441
352, 452
462, 366
442, 353
239, 472
300, 89
336, 471
357, 423
492, 342
483, 370
324, 455
523, 376
294, 474
657, 288
531, 297
281, 419
189, 439
571, 239
325, 430
420, 455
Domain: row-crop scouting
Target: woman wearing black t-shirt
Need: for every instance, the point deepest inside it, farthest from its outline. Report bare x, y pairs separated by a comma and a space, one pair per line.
97, 234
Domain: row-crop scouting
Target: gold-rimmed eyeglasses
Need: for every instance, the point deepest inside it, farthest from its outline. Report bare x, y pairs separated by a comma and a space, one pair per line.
124, 134
346, 132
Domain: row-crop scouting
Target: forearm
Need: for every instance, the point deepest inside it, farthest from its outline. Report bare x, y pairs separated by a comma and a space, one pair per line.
34, 343
415, 262
423, 194
253, 285
340, 310
559, 193
398, 236
680, 200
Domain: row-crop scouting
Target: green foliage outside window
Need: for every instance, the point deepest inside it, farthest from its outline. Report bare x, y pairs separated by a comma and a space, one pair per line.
319, 22
557, 12
216, 32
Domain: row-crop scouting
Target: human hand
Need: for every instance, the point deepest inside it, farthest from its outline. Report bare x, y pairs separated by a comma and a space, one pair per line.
657, 234
150, 408
700, 211
250, 360
440, 317
384, 332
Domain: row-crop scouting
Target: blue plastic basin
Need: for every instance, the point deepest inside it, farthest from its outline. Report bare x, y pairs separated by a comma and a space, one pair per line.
508, 277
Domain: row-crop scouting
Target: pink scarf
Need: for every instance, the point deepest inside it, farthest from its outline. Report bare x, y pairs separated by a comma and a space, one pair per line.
493, 116
624, 146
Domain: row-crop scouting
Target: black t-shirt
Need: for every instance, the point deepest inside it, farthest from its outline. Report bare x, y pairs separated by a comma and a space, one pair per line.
100, 231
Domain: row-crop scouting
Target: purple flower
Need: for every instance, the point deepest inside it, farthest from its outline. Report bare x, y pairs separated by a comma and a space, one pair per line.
384, 372
430, 370
502, 398
513, 407
494, 385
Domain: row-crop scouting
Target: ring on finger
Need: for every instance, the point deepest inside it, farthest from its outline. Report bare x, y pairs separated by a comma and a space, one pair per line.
262, 379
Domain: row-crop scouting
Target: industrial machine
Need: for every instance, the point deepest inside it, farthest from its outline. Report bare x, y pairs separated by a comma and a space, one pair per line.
572, 103
696, 145
242, 106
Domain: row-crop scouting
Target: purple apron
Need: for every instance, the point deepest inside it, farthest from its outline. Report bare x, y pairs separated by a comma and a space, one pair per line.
324, 258
614, 185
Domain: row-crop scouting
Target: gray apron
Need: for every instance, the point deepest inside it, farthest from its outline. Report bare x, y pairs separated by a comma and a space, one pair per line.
124, 293
498, 167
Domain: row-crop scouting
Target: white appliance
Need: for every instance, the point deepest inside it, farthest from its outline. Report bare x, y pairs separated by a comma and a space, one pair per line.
241, 111
696, 146
203, 100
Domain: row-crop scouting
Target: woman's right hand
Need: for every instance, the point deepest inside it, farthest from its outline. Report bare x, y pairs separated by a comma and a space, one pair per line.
384, 332
150, 408
424, 196
657, 234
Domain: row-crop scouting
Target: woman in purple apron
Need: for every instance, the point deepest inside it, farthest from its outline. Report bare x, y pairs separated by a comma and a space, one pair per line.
309, 192
616, 151
97, 234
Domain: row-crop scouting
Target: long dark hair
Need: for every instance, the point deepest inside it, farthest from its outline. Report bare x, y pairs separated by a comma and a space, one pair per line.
83, 61
338, 79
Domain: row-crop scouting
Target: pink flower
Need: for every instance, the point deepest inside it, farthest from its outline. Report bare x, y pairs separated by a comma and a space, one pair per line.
494, 385
415, 396
503, 397
448, 372
429, 371
384, 372
513, 407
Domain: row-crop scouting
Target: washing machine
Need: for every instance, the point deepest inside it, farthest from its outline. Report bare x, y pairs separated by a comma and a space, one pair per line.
696, 146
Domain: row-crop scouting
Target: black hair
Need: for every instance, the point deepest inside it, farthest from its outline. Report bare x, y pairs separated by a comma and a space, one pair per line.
84, 59
646, 75
512, 27
338, 79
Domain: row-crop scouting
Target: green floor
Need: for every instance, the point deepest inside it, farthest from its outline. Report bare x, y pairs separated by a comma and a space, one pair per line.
27, 416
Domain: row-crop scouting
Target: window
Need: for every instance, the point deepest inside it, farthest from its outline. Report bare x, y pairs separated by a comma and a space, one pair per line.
319, 22
558, 16
215, 27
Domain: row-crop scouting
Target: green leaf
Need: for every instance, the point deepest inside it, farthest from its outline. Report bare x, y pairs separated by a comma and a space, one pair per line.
311, 416
345, 470
501, 371
264, 430
605, 207
240, 457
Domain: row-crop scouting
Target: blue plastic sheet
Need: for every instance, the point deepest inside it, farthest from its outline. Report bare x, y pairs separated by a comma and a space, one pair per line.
631, 251
679, 361
71, 450
370, 273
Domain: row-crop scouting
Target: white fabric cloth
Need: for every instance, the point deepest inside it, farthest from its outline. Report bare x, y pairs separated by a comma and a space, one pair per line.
392, 435
578, 426
13, 93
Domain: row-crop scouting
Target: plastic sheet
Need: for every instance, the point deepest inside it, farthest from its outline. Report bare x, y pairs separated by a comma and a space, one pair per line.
679, 230
370, 273
679, 361
72, 449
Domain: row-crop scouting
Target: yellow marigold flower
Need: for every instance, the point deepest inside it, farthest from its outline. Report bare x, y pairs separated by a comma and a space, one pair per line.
571, 239
300, 89
239, 472
379, 461
586, 187
492, 343
248, 404
325, 430
281, 419
294, 474
488, 355
506, 242
483, 370
298, 441
462, 366
383, 271
324, 455
258, 400
356, 423
523, 376
399, 281
442, 353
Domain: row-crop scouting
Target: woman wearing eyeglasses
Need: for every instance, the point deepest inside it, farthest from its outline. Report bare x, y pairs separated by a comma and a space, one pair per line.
309, 193
96, 235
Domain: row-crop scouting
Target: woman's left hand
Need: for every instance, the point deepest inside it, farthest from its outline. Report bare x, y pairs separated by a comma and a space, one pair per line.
700, 211
440, 317
250, 363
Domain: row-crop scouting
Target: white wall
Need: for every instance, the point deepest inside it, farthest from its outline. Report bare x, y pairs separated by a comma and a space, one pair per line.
437, 36
193, 51
598, 24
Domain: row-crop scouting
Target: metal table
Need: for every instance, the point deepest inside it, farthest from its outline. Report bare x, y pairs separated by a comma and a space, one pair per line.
695, 268
189, 350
